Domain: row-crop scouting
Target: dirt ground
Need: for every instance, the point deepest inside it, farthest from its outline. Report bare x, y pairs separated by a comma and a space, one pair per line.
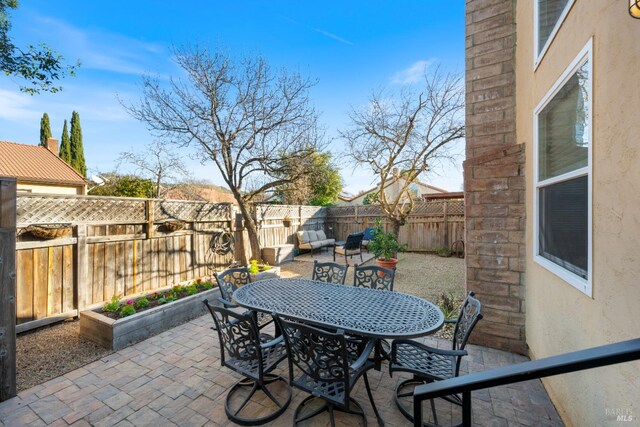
54, 350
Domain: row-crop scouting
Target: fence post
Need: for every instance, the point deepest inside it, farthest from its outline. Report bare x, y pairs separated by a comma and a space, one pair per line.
7, 288
446, 224
83, 292
150, 218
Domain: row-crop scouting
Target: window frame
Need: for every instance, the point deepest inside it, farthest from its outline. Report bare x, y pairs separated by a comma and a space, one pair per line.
584, 285
537, 57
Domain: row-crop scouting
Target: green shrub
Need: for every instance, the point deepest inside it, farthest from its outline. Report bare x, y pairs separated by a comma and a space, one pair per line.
449, 304
442, 251
205, 285
253, 266
127, 310
112, 306
192, 290
142, 302
385, 245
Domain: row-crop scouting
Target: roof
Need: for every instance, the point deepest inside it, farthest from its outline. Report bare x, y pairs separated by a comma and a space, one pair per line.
35, 163
362, 193
201, 192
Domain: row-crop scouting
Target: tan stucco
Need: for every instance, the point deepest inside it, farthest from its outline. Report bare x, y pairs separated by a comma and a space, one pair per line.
50, 189
391, 191
559, 317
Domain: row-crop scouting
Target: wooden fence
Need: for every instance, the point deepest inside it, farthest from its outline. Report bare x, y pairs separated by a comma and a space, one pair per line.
430, 226
117, 247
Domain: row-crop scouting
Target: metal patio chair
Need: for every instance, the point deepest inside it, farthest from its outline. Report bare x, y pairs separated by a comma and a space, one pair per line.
329, 272
230, 280
374, 277
353, 246
428, 364
327, 366
244, 350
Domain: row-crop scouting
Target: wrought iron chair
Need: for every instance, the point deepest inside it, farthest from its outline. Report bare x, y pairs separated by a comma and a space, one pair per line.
230, 280
244, 350
353, 246
374, 277
326, 365
329, 272
428, 364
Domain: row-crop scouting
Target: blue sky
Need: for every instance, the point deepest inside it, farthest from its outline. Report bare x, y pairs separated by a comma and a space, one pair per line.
351, 47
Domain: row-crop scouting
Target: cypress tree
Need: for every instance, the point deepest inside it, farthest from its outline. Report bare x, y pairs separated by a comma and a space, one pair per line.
65, 145
77, 150
45, 129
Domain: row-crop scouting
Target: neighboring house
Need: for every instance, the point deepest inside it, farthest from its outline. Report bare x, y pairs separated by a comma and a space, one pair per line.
417, 190
200, 192
38, 169
552, 206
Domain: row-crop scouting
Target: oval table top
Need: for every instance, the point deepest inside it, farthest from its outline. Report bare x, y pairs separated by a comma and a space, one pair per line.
360, 311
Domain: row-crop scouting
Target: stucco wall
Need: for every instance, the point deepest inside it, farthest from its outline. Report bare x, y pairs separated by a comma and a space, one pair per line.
559, 317
50, 189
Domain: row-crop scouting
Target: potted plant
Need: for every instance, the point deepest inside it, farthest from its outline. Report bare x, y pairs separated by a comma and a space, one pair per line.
385, 247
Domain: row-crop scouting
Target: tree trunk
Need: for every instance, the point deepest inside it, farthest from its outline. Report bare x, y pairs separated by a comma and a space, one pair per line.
395, 224
252, 229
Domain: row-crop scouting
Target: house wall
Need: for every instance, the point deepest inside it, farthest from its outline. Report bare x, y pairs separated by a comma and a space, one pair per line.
391, 192
494, 181
50, 189
560, 318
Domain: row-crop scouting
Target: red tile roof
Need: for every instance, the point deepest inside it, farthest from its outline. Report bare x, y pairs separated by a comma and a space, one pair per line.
35, 163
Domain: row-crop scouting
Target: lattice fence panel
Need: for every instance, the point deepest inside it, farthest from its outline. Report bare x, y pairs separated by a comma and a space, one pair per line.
340, 211
370, 210
313, 212
455, 207
191, 211
39, 209
265, 212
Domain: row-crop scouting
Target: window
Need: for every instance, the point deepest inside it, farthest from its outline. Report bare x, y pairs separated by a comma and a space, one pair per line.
548, 16
562, 155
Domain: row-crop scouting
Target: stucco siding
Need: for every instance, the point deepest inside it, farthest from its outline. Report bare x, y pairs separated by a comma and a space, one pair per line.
559, 317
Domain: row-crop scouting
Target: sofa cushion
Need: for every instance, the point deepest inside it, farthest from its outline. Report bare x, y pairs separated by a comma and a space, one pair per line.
321, 235
303, 237
341, 250
313, 236
305, 246
328, 242
316, 244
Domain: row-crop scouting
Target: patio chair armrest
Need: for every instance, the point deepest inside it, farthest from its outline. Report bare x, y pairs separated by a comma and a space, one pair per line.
227, 303
272, 343
364, 356
426, 348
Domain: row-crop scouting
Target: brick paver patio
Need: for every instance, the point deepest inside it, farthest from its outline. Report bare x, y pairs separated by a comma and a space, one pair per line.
175, 378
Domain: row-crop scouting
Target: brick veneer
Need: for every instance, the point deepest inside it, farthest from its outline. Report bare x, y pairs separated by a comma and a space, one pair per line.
494, 176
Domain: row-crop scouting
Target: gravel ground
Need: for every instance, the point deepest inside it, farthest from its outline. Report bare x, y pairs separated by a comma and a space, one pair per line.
54, 350
51, 351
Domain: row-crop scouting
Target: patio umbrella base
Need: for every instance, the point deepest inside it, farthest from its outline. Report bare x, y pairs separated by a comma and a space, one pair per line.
234, 415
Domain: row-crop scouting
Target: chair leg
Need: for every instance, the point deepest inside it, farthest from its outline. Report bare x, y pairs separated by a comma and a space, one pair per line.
373, 403
234, 415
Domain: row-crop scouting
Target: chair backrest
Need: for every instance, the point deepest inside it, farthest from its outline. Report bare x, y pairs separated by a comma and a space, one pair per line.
239, 340
470, 314
321, 356
368, 233
353, 241
374, 277
329, 272
231, 279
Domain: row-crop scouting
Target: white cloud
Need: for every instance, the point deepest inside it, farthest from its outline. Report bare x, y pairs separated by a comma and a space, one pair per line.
101, 50
412, 74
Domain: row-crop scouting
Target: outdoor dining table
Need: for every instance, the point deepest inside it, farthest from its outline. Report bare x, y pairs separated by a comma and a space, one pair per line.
358, 311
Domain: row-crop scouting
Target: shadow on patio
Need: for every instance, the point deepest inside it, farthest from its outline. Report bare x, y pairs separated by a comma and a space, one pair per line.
175, 378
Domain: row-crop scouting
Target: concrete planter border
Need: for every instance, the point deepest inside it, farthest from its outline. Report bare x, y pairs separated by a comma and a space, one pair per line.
116, 334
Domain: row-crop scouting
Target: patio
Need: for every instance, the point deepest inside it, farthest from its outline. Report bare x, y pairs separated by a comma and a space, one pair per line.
175, 378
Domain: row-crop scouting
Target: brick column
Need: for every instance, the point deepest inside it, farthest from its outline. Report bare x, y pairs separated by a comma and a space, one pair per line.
494, 176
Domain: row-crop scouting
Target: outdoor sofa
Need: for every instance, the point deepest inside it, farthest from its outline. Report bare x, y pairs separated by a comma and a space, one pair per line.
313, 239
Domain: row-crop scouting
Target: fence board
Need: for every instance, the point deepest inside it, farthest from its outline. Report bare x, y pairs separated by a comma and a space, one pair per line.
68, 297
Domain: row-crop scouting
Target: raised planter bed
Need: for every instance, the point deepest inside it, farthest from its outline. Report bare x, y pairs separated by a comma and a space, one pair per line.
272, 273
120, 333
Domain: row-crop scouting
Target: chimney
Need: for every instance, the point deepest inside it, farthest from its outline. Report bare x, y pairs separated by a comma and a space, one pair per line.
52, 145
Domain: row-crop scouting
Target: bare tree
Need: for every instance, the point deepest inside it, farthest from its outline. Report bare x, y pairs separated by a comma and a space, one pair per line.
397, 136
241, 114
157, 163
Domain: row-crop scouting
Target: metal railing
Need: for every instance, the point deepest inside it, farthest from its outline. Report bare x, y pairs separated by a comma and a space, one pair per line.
595, 357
